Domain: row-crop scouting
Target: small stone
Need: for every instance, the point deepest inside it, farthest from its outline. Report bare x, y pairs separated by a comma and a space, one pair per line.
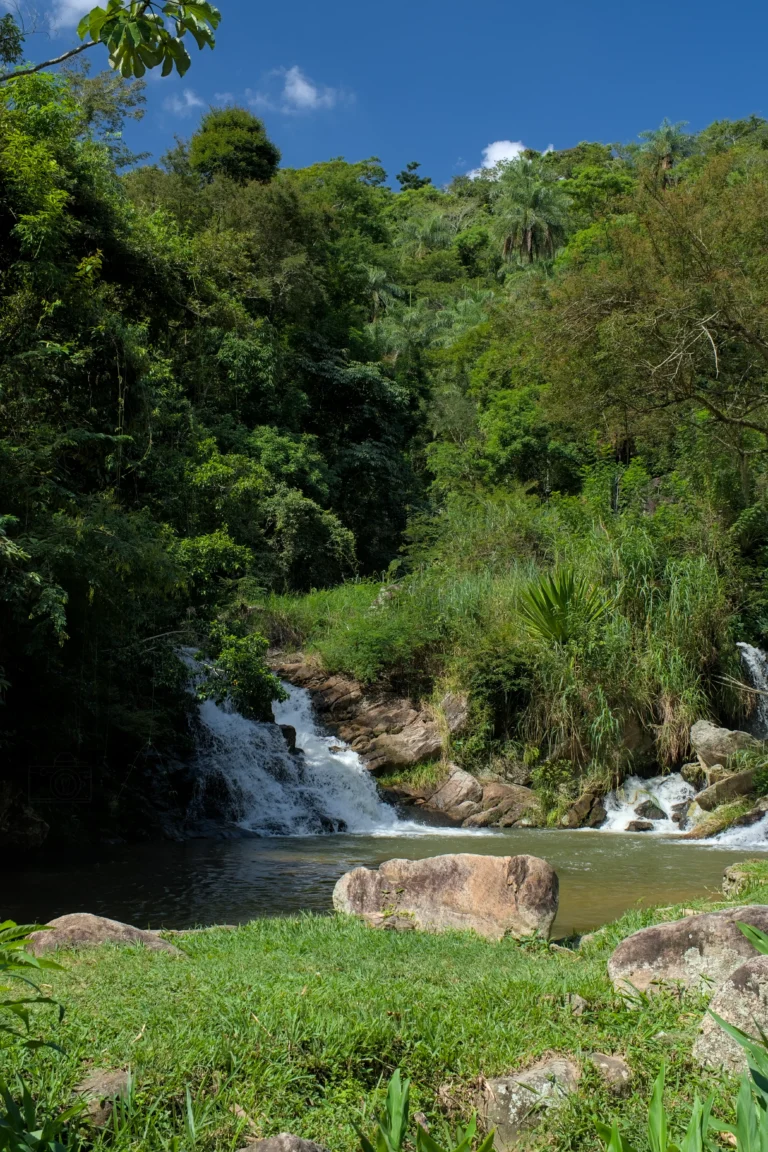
100, 1089
577, 1004
614, 1070
511, 1104
639, 826
650, 811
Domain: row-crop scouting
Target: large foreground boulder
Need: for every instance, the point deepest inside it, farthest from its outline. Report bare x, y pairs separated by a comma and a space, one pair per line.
741, 1000
715, 745
699, 950
511, 1104
493, 895
84, 930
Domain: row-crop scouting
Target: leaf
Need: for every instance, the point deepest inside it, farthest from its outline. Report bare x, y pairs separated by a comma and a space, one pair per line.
758, 939
657, 1116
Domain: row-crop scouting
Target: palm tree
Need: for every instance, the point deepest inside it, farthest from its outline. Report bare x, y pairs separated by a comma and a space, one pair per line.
664, 146
530, 210
422, 234
379, 289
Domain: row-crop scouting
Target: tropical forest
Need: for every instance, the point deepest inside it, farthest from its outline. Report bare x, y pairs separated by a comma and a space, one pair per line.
383, 606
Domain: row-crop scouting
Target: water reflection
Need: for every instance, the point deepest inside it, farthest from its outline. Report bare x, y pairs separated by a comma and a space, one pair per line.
232, 881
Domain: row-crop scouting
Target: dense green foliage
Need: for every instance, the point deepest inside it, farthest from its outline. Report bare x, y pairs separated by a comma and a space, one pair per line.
224, 384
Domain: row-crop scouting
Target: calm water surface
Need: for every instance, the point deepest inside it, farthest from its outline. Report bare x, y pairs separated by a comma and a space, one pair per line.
232, 881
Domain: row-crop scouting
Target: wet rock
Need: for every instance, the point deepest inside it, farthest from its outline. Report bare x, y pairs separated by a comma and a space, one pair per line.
492, 895
680, 811
464, 810
511, 1104
285, 1142
741, 1000
503, 804
639, 826
100, 1089
699, 950
579, 813
715, 745
754, 816
650, 811
458, 788
289, 732
614, 1070
693, 774
731, 787
597, 816
84, 930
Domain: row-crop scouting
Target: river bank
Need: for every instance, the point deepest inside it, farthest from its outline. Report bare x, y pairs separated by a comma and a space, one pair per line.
292, 1024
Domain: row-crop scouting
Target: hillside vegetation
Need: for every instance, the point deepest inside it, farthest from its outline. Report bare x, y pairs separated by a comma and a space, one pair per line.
236, 400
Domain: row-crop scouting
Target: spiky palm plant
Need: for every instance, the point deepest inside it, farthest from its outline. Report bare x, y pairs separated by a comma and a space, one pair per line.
530, 211
558, 603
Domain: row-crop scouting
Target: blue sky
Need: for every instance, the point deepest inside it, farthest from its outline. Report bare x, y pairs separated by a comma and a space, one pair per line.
440, 81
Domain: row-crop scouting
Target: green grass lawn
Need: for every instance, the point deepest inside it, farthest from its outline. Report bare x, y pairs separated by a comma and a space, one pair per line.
294, 1024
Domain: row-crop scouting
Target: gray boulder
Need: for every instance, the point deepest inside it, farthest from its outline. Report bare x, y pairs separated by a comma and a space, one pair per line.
457, 789
285, 1142
100, 1088
699, 950
84, 930
729, 787
455, 708
511, 1104
494, 896
650, 811
715, 745
741, 1000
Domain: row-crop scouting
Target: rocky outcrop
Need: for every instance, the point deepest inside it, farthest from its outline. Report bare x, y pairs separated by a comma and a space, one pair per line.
388, 732
739, 878
512, 1104
730, 787
699, 950
587, 812
495, 896
285, 1142
714, 745
460, 788
504, 805
99, 1090
741, 1000
84, 930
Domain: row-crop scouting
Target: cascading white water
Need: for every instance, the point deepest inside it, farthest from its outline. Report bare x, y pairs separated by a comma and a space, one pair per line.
755, 664
666, 792
274, 793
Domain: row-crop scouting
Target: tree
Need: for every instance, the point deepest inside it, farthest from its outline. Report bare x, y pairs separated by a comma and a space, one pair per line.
408, 179
139, 34
664, 146
530, 210
233, 142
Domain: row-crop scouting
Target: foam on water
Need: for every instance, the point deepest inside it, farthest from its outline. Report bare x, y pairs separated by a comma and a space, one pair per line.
664, 791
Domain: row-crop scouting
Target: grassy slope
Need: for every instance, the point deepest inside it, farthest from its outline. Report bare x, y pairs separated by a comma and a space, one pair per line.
296, 1020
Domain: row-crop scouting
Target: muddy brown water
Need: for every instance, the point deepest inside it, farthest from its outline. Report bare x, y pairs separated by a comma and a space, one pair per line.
203, 882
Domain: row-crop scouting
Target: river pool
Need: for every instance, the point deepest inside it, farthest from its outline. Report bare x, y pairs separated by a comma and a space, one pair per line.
231, 881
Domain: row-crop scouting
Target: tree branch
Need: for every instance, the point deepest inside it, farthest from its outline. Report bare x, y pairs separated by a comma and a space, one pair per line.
725, 419
48, 63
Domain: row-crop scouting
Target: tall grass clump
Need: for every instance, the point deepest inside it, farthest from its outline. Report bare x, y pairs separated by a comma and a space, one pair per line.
593, 629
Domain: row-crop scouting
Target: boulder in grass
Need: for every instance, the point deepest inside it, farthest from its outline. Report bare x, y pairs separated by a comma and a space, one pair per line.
697, 951
99, 1090
494, 896
285, 1142
741, 1000
84, 930
512, 1104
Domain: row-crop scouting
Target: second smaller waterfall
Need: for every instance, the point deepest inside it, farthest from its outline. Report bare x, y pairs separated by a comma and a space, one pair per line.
657, 800
755, 664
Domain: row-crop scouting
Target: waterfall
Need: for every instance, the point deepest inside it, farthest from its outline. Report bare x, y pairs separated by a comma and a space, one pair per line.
264, 789
755, 664
669, 794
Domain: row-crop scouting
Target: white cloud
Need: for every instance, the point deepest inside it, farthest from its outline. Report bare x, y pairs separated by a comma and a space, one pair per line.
496, 152
290, 91
67, 13
223, 97
183, 105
